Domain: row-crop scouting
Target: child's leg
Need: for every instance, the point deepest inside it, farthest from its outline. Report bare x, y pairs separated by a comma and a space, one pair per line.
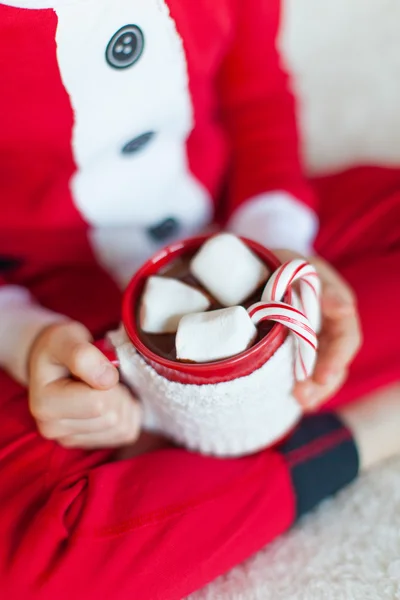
160, 525
375, 424
163, 524
77, 525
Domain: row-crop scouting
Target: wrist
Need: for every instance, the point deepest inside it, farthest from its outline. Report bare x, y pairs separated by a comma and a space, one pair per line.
22, 322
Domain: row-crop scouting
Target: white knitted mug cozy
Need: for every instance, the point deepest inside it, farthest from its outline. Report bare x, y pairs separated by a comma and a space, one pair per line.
232, 418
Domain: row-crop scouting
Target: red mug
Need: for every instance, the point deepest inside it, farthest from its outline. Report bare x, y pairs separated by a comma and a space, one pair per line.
198, 374
230, 407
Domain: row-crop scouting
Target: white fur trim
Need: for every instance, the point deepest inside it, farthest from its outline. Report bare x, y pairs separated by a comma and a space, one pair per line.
121, 195
277, 220
344, 56
21, 320
226, 419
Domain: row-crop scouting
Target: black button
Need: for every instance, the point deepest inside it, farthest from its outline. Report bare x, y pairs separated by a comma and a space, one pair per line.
7, 263
164, 230
125, 47
138, 143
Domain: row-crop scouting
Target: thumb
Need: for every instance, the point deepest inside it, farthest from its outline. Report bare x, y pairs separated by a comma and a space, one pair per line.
70, 352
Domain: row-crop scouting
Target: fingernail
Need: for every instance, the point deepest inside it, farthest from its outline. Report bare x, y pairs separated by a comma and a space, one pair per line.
106, 374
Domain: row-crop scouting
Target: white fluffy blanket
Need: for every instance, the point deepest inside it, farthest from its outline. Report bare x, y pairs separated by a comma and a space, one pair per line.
348, 549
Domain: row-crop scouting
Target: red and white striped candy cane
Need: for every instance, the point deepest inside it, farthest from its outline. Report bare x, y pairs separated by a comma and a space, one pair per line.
297, 322
310, 288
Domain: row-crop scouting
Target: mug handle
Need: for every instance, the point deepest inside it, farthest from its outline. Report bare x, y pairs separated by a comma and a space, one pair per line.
108, 350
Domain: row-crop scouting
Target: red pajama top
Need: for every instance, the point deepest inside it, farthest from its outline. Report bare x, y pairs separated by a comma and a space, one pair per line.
126, 124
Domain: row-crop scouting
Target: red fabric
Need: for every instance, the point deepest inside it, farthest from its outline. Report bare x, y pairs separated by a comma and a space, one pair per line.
258, 110
39, 223
317, 447
159, 526
242, 111
360, 235
77, 525
36, 122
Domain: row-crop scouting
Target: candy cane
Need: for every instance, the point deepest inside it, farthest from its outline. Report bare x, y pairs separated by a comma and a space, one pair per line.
310, 288
297, 322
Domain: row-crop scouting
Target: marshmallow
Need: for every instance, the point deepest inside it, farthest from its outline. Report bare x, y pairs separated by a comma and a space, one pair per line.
210, 336
165, 301
228, 269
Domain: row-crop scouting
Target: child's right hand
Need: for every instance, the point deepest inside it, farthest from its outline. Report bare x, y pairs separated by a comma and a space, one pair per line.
94, 412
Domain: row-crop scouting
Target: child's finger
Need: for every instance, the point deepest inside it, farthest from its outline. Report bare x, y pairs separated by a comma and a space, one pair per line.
66, 399
338, 300
58, 429
340, 340
311, 395
69, 349
88, 364
124, 432
110, 439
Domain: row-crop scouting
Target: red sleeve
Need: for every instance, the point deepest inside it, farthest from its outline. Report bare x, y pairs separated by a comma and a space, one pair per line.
258, 109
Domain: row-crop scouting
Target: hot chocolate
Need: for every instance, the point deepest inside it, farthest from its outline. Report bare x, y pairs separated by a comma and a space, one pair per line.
164, 344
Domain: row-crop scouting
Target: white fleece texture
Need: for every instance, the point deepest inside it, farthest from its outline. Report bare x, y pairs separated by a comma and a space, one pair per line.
226, 419
276, 220
348, 549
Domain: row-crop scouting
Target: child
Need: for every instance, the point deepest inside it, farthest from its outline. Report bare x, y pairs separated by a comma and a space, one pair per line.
121, 123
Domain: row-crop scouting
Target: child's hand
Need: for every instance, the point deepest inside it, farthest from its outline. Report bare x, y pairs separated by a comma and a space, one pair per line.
94, 412
339, 340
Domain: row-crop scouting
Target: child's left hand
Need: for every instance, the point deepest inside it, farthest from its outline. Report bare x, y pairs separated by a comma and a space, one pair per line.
340, 337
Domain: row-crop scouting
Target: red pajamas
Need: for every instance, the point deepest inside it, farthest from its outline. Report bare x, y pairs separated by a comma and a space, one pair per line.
95, 167
77, 524
159, 526
360, 236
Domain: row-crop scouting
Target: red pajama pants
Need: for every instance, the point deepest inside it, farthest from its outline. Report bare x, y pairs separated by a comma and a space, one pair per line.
78, 525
